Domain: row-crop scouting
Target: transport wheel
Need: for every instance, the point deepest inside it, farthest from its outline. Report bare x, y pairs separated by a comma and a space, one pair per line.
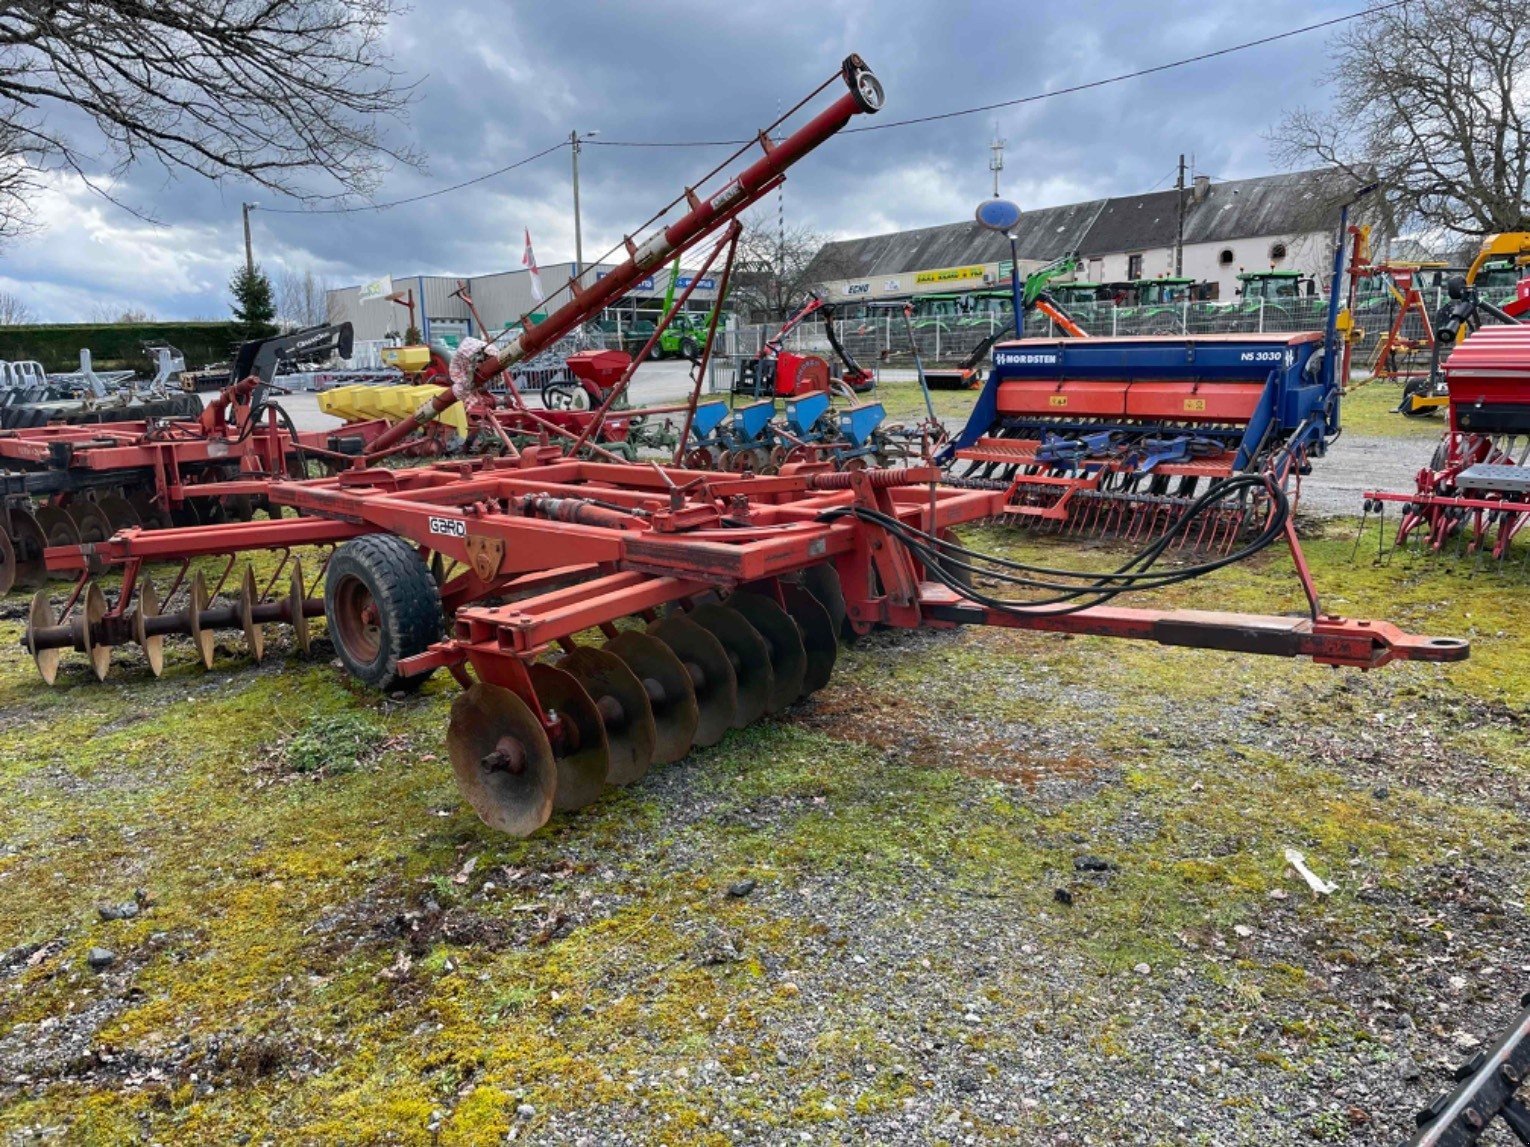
382, 606
29, 542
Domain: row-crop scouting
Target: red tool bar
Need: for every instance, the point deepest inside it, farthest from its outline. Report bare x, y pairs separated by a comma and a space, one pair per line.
1454, 501
1328, 640
525, 626
756, 180
202, 541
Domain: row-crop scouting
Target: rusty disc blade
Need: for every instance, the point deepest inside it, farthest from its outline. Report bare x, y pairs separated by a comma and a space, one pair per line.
580, 748
710, 672
57, 527
94, 610
150, 515
631, 733
196, 603
7, 563
254, 635
94, 526
153, 646
296, 596
788, 658
118, 511
29, 542
822, 582
820, 640
41, 617
671, 696
747, 653
501, 759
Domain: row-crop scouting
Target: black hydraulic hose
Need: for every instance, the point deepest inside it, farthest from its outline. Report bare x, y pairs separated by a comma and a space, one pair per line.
1097, 588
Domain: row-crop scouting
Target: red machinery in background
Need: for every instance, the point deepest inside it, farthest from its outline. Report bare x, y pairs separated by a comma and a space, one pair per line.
1476, 489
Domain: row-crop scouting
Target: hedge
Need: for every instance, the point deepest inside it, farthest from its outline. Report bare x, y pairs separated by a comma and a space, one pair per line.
117, 346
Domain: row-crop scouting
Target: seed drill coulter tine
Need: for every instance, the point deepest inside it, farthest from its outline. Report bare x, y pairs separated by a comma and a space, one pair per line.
647, 608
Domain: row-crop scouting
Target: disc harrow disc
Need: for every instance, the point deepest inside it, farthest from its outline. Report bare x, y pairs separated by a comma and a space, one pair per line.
254, 635
118, 511
820, 640
41, 617
822, 582
7, 563
582, 756
94, 526
94, 610
788, 658
203, 639
713, 682
29, 541
501, 758
150, 515
671, 695
153, 646
57, 527
296, 597
747, 653
631, 733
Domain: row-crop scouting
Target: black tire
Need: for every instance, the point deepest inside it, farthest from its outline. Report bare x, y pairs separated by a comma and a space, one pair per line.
386, 573
657, 352
689, 349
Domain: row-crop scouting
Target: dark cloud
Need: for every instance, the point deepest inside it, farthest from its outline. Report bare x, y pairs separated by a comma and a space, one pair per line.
501, 81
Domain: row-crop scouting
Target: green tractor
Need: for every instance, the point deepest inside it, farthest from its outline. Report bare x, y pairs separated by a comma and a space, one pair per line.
1157, 305
1273, 301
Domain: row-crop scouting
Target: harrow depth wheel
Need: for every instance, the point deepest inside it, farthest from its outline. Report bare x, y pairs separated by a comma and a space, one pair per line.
502, 759
382, 606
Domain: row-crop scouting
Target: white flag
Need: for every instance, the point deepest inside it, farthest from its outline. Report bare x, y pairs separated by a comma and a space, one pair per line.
376, 289
529, 261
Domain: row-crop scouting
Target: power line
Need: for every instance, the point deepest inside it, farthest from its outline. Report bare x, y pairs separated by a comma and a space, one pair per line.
887, 126
1034, 98
425, 195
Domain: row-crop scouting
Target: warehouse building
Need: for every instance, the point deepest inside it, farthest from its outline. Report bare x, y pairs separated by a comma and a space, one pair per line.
1285, 222
501, 300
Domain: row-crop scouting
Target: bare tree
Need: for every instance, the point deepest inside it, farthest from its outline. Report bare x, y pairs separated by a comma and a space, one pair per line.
1430, 99
301, 298
109, 313
14, 312
266, 90
771, 276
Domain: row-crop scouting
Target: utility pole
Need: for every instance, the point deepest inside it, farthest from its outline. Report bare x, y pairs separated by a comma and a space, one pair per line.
996, 161
1179, 236
249, 253
573, 142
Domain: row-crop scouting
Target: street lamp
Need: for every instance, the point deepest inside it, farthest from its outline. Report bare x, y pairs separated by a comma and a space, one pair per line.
573, 142
249, 254
1003, 216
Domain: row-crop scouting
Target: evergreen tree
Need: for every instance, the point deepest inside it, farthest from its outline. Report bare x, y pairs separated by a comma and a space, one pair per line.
254, 303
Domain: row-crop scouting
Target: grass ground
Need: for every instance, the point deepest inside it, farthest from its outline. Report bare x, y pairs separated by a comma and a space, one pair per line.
1007, 886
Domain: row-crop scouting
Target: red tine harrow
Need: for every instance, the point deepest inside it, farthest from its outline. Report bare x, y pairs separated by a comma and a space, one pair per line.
603, 617
1474, 496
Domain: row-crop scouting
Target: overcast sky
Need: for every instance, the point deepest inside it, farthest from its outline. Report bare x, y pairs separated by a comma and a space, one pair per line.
500, 81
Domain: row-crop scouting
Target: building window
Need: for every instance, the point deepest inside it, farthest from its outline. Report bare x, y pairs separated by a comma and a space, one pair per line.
1134, 266
1226, 257
1277, 252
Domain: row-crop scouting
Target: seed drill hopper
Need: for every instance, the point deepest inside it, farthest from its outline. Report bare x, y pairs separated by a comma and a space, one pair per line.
606, 617
1121, 435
